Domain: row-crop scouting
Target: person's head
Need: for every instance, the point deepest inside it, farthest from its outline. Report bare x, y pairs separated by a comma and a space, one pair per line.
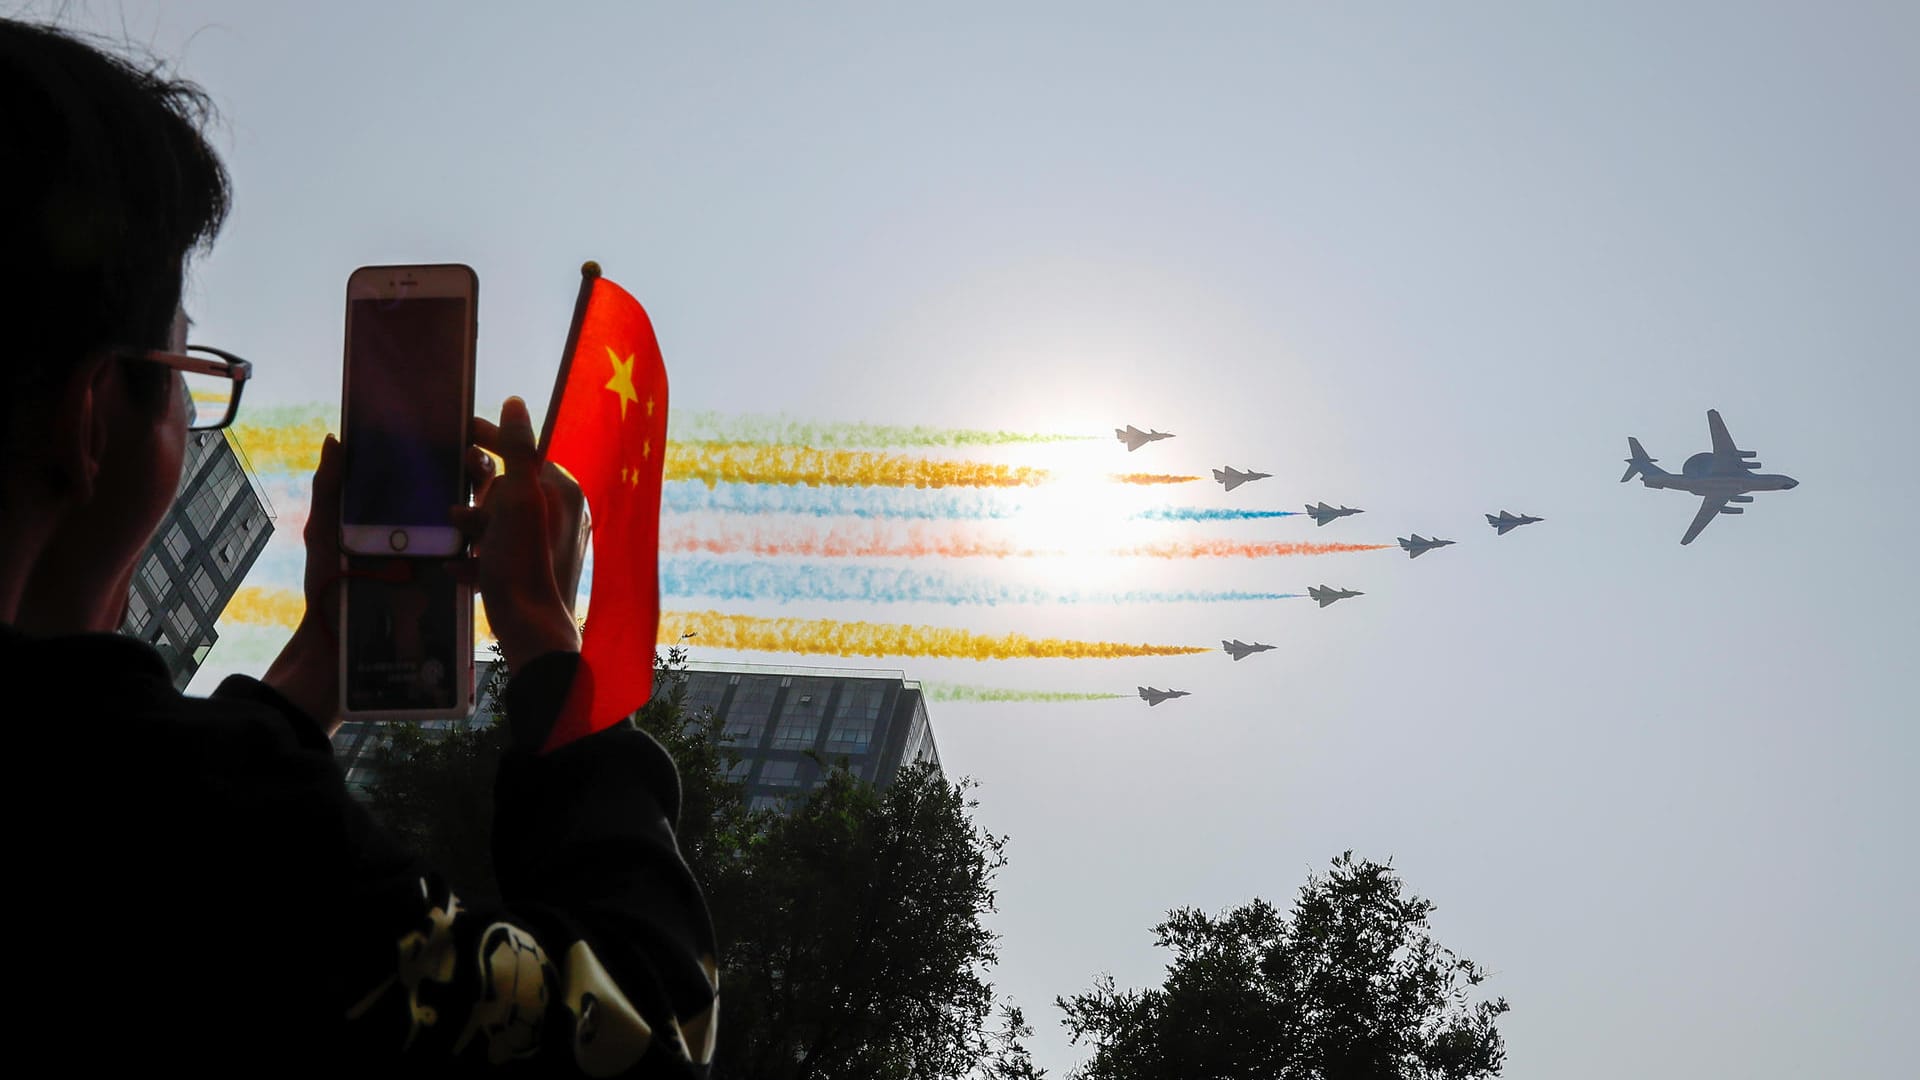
107, 187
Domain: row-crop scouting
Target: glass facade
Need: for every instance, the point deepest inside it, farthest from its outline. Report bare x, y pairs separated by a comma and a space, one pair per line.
779, 721
216, 528
783, 721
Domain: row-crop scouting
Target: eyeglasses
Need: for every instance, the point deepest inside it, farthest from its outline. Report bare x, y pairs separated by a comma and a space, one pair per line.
213, 382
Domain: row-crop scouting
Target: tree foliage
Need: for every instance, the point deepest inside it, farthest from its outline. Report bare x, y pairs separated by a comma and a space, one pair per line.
851, 928
866, 950
1351, 987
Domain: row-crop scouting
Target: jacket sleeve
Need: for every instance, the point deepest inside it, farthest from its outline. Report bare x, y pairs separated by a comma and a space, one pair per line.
600, 958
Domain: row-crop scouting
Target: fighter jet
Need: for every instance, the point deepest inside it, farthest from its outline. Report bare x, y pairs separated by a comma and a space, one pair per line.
1507, 521
1154, 697
1233, 477
1135, 438
1328, 595
1240, 650
1719, 476
1418, 545
1324, 513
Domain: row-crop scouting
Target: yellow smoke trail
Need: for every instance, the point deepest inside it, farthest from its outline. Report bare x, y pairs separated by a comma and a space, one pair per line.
260, 606
1152, 478
1216, 549
833, 637
284, 439
716, 463
844, 542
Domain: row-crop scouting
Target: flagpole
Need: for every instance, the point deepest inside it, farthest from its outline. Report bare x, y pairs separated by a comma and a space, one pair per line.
589, 273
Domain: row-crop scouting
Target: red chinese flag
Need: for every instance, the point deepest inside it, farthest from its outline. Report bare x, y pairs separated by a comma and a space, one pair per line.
609, 429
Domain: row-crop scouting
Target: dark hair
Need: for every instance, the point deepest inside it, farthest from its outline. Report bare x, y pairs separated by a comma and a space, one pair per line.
106, 186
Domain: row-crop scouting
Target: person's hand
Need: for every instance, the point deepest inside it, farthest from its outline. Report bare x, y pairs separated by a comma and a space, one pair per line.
527, 530
307, 671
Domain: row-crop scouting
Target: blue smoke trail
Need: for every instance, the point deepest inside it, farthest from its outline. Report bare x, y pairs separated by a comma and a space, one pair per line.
908, 504
1196, 513
789, 583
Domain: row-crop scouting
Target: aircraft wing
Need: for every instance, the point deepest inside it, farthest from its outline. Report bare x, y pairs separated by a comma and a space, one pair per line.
1728, 459
1709, 509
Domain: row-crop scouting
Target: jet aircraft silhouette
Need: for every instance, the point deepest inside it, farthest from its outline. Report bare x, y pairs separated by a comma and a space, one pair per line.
1154, 697
1135, 438
1233, 478
1505, 522
1418, 545
1240, 650
1323, 513
1327, 595
1722, 475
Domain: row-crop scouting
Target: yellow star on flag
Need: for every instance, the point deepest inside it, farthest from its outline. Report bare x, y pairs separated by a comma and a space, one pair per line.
622, 382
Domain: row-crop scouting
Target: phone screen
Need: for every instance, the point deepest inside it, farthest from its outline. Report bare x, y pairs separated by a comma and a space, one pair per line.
403, 641
405, 412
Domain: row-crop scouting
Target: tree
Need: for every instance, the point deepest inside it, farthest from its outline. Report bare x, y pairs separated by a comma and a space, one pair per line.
865, 953
1351, 987
850, 927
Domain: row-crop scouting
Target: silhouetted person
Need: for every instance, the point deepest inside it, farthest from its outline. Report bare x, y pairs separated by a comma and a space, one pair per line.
191, 889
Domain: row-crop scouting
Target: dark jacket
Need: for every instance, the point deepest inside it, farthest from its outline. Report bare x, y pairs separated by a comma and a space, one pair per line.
193, 887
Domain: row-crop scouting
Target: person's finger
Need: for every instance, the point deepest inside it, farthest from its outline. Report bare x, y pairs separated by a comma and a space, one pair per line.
516, 433
486, 434
323, 513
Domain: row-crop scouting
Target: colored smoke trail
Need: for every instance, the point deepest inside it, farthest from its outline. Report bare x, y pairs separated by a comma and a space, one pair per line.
734, 464
1217, 549
916, 543
919, 542
692, 496
940, 691
1201, 513
786, 583
284, 438
1152, 478
261, 605
784, 430
831, 637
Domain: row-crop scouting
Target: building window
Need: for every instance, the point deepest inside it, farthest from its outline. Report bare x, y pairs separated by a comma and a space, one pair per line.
854, 719
737, 772
184, 624
767, 802
747, 716
155, 575
137, 611
205, 590
800, 720
780, 774
177, 544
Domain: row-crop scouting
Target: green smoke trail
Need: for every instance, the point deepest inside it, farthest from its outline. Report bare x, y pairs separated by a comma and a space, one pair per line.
783, 430
940, 691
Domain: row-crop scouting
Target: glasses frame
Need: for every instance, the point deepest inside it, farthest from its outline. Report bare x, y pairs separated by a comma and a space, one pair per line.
228, 365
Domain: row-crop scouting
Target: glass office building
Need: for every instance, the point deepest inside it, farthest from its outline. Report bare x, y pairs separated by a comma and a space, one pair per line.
217, 526
777, 718
780, 719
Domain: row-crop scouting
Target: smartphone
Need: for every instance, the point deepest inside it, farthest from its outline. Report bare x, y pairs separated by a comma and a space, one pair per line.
406, 400
407, 647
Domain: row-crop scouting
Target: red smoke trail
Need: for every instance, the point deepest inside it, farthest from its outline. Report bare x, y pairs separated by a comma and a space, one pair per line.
1216, 549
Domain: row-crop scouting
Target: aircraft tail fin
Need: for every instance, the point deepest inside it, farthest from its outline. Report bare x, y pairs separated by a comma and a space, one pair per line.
1638, 463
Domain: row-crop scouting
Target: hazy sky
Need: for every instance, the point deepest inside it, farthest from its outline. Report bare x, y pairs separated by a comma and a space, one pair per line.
1430, 260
